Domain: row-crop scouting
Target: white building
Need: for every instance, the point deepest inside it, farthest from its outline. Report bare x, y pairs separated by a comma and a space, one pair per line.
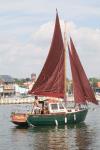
20, 90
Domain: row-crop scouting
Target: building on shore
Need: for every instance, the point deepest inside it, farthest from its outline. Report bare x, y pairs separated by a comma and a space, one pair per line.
97, 89
6, 85
10, 86
20, 90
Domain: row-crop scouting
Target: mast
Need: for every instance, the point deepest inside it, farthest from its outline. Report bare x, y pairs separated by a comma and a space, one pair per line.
65, 45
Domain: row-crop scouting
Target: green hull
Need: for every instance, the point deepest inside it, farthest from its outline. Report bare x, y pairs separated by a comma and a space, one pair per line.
57, 119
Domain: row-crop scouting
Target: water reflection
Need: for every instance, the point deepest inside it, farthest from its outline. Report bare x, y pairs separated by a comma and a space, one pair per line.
84, 137
50, 138
74, 137
80, 138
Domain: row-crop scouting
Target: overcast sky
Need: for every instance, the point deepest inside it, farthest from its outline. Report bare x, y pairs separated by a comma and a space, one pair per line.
26, 28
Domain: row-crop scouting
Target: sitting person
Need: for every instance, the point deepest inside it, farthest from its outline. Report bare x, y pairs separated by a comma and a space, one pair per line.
44, 110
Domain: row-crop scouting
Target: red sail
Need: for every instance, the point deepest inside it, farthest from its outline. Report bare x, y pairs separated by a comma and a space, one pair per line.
51, 79
82, 89
77, 87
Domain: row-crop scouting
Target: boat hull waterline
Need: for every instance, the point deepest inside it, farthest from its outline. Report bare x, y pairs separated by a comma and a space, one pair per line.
57, 119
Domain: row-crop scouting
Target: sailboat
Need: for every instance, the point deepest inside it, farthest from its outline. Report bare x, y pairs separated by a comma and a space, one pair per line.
51, 84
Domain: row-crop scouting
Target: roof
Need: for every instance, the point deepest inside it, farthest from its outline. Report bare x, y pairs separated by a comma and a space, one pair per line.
6, 78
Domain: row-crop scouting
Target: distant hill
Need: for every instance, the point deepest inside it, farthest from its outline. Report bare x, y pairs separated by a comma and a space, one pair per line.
6, 78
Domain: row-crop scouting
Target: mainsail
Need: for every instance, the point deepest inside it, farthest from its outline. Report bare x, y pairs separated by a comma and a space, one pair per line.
51, 81
82, 89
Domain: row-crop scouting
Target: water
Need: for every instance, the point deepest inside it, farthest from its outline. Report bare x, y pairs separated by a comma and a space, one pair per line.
85, 136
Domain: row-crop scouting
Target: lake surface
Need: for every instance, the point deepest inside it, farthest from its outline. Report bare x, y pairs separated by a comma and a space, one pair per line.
85, 136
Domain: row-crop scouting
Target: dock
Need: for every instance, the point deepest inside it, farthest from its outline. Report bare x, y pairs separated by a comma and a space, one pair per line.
7, 101
28, 100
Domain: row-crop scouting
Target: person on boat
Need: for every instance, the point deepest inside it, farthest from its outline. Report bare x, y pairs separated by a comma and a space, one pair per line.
36, 101
44, 109
36, 107
79, 106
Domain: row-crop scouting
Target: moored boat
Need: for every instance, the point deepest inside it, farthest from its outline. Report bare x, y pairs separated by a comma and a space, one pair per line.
52, 83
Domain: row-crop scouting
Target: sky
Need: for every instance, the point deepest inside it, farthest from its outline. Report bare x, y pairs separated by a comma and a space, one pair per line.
26, 28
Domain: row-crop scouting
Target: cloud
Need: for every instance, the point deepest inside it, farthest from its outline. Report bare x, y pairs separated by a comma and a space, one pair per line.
21, 59
85, 39
26, 30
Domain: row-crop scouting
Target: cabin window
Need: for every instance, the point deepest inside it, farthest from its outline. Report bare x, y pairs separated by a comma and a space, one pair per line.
54, 106
61, 106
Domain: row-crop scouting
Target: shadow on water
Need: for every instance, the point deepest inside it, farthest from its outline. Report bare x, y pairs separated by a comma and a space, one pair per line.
49, 128
21, 127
